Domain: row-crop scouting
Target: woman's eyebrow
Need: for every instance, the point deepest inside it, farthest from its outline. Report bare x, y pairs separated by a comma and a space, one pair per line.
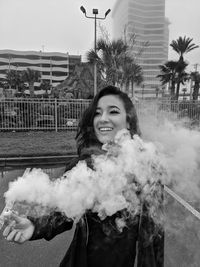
114, 107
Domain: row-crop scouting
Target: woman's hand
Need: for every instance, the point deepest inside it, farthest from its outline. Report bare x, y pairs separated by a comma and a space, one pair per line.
19, 230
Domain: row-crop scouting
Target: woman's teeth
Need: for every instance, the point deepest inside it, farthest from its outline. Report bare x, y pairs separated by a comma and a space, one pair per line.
105, 129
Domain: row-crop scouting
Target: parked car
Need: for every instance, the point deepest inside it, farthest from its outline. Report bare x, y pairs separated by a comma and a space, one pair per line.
45, 121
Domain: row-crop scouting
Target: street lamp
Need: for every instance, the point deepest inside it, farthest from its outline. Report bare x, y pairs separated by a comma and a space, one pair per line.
95, 12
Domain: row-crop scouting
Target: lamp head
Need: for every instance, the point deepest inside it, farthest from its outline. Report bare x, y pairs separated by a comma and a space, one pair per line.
107, 12
95, 11
83, 9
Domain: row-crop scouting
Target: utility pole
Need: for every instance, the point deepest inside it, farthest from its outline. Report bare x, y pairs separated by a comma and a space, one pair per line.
9, 68
51, 74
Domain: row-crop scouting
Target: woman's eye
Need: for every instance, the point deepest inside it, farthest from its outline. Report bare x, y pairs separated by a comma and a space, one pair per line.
114, 112
96, 113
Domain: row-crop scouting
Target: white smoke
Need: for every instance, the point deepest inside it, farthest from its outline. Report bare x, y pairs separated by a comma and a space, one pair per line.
181, 149
124, 177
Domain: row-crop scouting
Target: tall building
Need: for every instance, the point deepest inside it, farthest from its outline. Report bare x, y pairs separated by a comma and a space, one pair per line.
145, 18
53, 66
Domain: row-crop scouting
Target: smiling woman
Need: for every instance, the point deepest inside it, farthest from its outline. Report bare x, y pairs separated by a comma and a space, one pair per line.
110, 111
101, 239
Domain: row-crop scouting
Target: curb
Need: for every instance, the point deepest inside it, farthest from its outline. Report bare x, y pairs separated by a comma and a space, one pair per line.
20, 162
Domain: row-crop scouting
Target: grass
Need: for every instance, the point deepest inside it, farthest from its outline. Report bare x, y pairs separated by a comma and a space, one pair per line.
16, 144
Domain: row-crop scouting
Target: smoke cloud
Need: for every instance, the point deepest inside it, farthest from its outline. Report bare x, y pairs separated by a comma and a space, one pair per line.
130, 172
180, 146
125, 176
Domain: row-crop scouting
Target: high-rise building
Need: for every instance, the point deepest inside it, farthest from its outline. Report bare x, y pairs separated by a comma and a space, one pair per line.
145, 18
53, 66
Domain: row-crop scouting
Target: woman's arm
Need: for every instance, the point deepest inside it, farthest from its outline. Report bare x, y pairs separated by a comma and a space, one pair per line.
21, 229
49, 226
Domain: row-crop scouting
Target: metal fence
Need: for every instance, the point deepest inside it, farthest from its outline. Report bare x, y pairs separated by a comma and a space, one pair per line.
41, 114
188, 111
64, 114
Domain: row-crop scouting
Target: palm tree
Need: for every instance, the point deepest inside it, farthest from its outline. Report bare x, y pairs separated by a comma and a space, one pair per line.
168, 75
182, 46
9, 78
195, 76
133, 74
108, 57
182, 76
46, 86
115, 62
30, 76
14, 79
172, 73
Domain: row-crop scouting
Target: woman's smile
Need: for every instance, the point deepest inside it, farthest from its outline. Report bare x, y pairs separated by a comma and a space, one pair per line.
105, 129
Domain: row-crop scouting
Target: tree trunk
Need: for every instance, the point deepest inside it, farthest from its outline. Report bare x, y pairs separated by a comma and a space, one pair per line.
132, 88
31, 89
196, 91
172, 91
177, 90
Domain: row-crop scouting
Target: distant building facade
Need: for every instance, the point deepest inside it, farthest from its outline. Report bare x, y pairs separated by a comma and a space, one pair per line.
145, 18
53, 66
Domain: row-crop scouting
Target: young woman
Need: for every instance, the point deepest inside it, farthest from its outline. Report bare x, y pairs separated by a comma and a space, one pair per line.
98, 243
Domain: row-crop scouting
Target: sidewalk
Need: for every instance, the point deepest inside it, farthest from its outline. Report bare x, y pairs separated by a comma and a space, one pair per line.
35, 161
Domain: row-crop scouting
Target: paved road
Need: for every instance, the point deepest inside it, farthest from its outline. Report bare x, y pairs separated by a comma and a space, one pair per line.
36, 253
182, 238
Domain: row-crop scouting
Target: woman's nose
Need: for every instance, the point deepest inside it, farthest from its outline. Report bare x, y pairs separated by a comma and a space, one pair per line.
104, 116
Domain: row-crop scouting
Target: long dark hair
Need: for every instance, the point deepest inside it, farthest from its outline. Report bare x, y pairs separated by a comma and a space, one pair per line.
86, 137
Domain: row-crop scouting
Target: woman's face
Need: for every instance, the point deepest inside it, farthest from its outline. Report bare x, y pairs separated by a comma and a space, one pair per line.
110, 117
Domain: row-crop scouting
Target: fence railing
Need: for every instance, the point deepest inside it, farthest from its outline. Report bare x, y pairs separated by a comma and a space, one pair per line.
64, 114
172, 110
41, 114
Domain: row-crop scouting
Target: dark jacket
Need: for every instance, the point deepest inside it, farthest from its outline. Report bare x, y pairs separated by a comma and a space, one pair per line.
99, 243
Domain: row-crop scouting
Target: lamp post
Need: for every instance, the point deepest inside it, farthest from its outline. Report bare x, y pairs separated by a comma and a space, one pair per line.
95, 12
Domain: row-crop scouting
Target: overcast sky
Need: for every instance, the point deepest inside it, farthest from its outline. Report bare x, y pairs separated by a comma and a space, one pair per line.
59, 25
